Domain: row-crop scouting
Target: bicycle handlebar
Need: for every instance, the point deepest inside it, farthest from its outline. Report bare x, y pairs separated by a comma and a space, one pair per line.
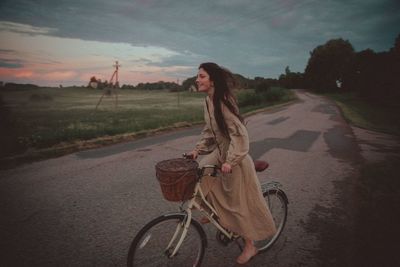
186, 156
214, 167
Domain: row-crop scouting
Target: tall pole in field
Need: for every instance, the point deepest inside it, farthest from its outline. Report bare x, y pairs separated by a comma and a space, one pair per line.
114, 85
177, 81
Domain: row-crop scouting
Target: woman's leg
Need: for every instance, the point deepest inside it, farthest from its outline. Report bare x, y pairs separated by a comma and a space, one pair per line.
208, 182
248, 252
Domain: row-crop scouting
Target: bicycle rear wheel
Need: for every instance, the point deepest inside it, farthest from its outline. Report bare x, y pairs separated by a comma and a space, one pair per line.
152, 245
277, 204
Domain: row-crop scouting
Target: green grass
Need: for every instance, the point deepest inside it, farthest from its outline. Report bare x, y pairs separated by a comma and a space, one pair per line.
249, 100
42, 118
56, 115
368, 115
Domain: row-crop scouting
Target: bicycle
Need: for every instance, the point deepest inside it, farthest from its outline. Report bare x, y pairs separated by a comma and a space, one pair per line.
176, 239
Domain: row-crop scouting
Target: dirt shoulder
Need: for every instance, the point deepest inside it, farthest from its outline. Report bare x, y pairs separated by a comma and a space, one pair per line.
376, 147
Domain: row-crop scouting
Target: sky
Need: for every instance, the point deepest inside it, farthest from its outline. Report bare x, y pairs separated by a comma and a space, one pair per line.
65, 42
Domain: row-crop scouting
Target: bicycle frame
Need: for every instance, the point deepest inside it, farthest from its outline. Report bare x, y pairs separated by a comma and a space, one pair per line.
193, 203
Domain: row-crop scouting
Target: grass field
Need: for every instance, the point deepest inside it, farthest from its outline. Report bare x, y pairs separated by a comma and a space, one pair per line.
45, 117
366, 115
41, 118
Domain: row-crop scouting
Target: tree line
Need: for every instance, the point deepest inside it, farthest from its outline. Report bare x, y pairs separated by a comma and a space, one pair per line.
161, 85
336, 67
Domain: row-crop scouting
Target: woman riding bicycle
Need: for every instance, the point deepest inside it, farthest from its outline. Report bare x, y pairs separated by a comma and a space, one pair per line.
236, 195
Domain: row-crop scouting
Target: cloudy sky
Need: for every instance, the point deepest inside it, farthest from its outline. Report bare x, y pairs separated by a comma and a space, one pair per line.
52, 42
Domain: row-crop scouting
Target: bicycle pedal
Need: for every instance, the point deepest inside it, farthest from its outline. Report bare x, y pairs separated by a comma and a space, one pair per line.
222, 238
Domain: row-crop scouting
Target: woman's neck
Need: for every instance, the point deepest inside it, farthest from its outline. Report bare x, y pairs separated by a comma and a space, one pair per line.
210, 96
210, 92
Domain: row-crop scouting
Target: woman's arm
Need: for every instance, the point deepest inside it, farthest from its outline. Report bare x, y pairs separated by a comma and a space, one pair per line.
239, 143
207, 142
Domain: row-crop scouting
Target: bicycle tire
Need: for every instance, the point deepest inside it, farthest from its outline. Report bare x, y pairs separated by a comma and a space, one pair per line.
278, 205
148, 246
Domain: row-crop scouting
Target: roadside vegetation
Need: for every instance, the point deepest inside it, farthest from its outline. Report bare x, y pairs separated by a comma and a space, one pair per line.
363, 114
45, 117
60, 120
250, 100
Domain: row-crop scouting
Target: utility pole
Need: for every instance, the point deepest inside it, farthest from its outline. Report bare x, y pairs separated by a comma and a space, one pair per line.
177, 81
114, 85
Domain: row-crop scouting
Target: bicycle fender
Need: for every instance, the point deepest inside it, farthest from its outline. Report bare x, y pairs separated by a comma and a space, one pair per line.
274, 187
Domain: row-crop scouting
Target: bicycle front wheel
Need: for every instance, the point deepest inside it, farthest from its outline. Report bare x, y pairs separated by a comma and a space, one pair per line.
156, 241
277, 204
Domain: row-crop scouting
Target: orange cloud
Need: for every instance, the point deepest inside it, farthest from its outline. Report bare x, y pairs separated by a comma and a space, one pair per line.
42, 76
17, 73
24, 74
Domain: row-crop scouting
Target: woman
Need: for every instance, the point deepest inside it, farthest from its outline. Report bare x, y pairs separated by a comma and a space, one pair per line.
236, 195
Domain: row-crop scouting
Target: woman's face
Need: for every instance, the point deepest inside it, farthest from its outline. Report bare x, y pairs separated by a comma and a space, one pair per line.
204, 84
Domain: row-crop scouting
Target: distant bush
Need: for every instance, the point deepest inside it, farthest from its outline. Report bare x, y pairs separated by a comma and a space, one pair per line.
16, 86
264, 85
274, 94
248, 98
262, 95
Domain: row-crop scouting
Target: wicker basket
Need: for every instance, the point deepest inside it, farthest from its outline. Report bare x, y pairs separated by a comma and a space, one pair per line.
177, 178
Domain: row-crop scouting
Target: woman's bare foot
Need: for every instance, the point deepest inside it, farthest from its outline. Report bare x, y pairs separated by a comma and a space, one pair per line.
248, 252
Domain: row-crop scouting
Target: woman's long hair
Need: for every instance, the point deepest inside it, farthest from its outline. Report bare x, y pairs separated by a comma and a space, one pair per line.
223, 83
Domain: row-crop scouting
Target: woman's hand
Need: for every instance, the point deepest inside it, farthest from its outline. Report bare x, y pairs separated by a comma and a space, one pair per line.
226, 168
194, 154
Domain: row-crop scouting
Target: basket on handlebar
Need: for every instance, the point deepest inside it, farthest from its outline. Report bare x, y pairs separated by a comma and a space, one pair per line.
177, 178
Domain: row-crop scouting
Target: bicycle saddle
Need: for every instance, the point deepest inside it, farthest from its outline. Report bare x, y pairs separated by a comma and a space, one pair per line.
260, 165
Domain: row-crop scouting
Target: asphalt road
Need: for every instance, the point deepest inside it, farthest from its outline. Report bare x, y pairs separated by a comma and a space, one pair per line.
83, 209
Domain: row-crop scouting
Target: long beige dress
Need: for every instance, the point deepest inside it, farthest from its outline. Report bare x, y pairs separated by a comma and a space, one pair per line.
237, 197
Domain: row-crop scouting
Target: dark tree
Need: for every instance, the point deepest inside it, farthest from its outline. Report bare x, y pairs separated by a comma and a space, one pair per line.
328, 66
291, 80
186, 84
376, 76
396, 48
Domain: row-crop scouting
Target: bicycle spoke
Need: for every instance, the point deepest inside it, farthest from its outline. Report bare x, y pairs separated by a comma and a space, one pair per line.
155, 243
